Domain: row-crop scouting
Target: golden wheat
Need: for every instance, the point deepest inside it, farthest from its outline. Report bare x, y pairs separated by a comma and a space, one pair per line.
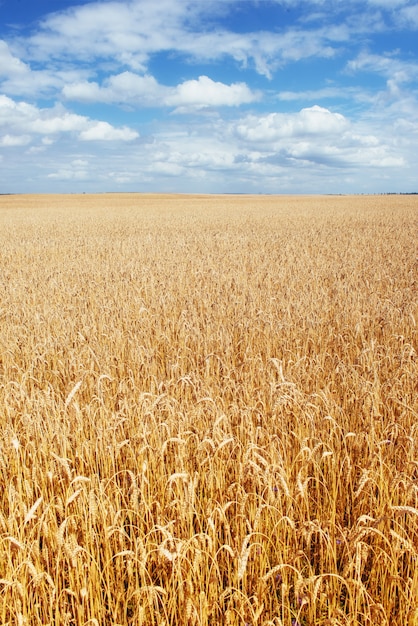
208, 410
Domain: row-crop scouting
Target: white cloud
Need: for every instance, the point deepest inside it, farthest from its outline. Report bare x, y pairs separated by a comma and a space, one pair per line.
83, 91
318, 136
132, 31
103, 131
166, 169
9, 64
124, 31
17, 77
204, 92
395, 98
74, 44
23, 121
409, 16
126, 87
75, 170
388, 65
130, 88
128, 33
29, 118
17, 116
270, 128
7, 141
345, 4
388, 4
327, 93
50, 123
68, 174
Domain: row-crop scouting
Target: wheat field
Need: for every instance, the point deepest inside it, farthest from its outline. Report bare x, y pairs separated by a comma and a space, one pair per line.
208, 410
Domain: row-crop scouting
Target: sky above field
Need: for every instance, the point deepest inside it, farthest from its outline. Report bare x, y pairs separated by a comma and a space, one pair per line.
213, 96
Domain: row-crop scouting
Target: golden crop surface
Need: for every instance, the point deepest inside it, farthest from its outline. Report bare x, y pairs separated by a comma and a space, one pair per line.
208, 410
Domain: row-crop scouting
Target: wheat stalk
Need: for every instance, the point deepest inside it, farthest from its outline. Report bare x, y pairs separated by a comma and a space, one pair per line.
72, 393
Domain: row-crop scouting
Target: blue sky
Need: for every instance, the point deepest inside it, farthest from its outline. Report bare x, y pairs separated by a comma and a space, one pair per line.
211, 96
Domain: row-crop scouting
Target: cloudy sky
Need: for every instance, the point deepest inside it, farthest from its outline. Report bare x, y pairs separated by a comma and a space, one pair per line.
259, 96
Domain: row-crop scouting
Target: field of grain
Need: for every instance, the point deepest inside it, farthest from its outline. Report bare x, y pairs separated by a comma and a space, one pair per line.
208, 410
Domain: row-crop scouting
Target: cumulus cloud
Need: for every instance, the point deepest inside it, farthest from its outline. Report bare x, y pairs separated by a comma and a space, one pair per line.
23, 120
315, 135
7, 141
103, 131
270, 128
145, 91
126, 87
204, 92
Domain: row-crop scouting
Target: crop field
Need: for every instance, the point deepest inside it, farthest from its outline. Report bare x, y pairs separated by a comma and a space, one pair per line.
208, 410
